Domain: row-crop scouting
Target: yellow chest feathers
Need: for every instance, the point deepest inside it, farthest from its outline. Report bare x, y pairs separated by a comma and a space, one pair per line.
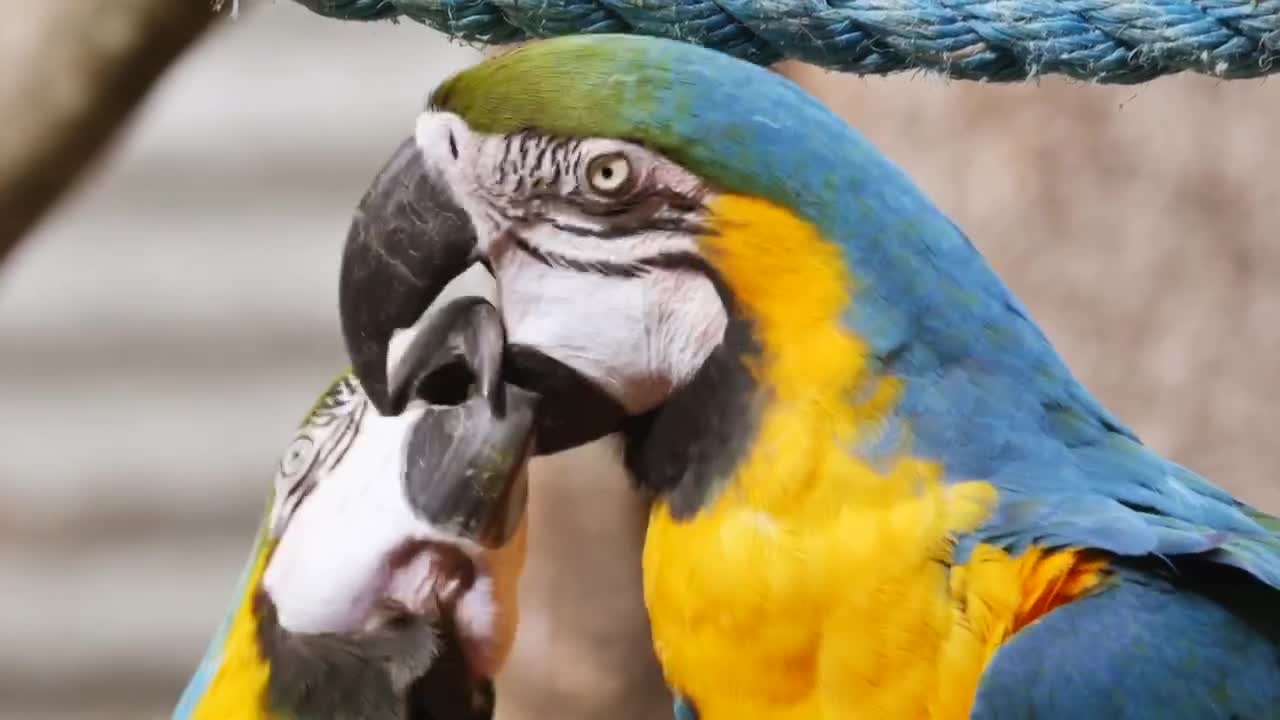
815, 586
820, 608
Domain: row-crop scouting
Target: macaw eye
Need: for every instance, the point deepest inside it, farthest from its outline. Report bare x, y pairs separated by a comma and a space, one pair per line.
297, 460
609, 174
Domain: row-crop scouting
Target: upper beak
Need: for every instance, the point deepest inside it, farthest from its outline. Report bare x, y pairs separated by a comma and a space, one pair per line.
409, 241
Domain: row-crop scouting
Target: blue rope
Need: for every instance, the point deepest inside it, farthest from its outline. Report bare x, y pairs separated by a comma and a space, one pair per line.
1109, 41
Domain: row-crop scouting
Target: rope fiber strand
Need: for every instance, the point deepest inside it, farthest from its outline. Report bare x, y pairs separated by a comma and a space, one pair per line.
1106, 41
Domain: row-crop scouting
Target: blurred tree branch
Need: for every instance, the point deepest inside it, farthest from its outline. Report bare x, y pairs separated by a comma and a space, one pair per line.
71, 72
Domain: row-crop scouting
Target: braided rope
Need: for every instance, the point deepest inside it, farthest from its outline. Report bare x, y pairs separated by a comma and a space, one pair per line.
1109, 41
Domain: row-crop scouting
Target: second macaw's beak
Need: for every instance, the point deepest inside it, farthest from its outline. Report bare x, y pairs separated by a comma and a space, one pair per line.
465, 455
411, 246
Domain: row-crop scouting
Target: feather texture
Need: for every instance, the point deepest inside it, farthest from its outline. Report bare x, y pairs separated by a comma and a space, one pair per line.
933, 508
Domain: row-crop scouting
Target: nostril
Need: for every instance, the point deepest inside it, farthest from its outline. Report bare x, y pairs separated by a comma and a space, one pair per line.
435, 131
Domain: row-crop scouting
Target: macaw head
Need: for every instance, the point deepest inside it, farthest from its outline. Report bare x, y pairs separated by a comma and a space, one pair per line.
680, 238
383, 580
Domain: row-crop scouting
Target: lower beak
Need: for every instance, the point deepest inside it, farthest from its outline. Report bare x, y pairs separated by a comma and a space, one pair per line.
464, 456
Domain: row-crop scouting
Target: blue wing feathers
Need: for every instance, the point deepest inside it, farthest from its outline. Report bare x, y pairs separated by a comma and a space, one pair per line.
1203, 644
987, 395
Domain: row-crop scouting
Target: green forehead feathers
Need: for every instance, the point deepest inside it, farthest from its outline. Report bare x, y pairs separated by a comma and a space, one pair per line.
721, 118
576, 86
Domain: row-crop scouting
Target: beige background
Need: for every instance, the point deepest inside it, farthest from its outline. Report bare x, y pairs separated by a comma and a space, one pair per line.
160, 335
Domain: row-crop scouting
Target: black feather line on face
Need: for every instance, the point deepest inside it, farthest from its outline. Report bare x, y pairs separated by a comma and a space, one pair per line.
681, 260
659, 209
543, 145
653, 199
676, 260
620, 227
329, 431
594, 267
502, 163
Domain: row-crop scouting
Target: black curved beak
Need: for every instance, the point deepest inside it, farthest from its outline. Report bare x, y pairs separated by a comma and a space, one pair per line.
408, 244
409, 240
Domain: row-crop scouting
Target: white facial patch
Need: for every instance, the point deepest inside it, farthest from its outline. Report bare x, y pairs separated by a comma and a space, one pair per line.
636, 338
330, 567
340, 553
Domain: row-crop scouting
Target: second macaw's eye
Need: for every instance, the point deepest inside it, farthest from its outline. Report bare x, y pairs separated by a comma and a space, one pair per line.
610, 174
298, 458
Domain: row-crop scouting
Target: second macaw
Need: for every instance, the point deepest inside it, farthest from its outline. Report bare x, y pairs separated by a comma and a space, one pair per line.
879, 491
382, 585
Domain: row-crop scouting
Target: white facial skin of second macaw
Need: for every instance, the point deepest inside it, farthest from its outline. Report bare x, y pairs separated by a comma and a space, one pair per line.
330, 569
342, 523
636, 337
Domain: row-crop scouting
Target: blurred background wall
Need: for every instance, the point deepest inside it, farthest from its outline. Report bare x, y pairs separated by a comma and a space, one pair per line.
162, 332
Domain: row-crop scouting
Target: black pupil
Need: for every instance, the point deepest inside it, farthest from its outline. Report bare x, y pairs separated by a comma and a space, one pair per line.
607, 172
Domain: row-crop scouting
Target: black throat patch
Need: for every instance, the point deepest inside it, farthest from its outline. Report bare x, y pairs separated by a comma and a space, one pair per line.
688, 447
410, 670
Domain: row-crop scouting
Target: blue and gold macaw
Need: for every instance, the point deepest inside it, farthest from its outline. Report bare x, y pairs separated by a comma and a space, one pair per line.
879, 492
382, 585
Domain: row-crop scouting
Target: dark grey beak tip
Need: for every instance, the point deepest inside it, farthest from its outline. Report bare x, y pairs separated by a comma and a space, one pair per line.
466, 466
466, 455
408, 239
